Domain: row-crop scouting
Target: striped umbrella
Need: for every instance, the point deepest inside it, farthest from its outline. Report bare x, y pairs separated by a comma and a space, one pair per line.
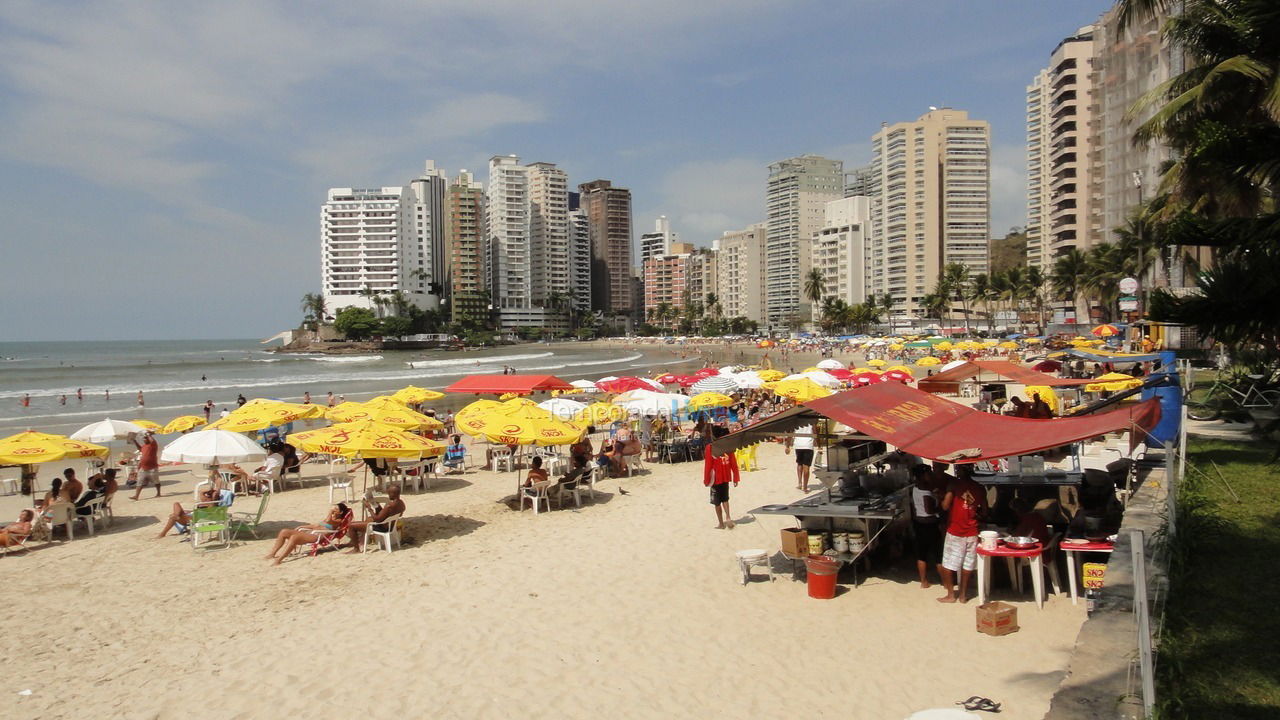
716, 383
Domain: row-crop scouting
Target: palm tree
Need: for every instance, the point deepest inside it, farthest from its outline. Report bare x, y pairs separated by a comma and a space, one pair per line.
979, 291
713, 305
1107, 265
956, 278
313, 308
1067, 279
815, 286
1036, 285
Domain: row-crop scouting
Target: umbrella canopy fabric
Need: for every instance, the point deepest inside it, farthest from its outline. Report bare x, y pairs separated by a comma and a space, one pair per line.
259, 414
771, 375
414, 395
831, 364
706, 372
801, 389
148, 425
1047, 366
562, 408
212, 446
33, 447
585, 386
841, 374
183, 423
520, 422
386, 411
825, 379
1113, 382
749, 380
867, 377
707, 400
365, 439
715, 384
1106, 330
502, 384
877, 363
927, 361
627, 384
106, 430
600, 414
644, 402
898, 375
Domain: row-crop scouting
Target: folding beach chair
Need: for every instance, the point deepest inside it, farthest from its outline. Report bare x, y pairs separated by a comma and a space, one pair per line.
210, 522
329, 538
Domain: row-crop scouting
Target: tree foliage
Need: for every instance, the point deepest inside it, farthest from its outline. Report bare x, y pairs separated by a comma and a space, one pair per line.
356, 323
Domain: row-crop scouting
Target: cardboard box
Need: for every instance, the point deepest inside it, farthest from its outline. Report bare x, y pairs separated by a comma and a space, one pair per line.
795, 542
997, 618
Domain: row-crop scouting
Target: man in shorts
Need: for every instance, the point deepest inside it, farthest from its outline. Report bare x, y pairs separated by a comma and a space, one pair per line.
802, 441
717, 473
148, 463
965, 502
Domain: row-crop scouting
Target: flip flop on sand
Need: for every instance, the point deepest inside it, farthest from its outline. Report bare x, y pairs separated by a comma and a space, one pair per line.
980, 703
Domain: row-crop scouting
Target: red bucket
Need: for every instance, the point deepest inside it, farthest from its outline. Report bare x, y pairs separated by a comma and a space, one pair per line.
822, 572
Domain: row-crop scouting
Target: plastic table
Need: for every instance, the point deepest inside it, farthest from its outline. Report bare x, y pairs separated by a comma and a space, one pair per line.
1001, 550
1073, 560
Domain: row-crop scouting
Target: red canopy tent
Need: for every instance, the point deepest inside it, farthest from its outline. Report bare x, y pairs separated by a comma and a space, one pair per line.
938, 429
948, 381
503, 384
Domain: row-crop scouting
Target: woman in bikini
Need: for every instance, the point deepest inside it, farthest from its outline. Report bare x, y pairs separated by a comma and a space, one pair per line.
307, 534
14, 533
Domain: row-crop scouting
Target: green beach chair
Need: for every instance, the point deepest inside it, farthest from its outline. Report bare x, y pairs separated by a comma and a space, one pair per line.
210, 521
249, 521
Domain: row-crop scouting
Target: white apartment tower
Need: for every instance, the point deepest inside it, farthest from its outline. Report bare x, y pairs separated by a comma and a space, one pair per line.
657, 243
579, 260
549, 249
934, 206
840, 250
1038, 253
740, 272
507, 234
370, 246
429, 218
797, 193
1072, 140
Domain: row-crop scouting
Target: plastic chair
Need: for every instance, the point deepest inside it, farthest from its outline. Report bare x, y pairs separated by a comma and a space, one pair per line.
62, 513
571, 484
502, 457
94, 507
9, 484
536, 494
296, 479
210, 521
455, 459
108, 515
270, 478
385, 537
633, 462
249, 521
748, 559
341, 481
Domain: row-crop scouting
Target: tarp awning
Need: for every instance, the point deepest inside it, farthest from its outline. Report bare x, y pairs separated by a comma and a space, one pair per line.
502, 384
949, 380
1105, 356
938, 429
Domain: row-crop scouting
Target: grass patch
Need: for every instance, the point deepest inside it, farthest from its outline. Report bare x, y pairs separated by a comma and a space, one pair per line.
1219, 655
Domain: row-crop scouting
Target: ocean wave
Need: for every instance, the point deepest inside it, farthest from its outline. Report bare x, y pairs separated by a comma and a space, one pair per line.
265, 360
587, 363
349, 358
481, 360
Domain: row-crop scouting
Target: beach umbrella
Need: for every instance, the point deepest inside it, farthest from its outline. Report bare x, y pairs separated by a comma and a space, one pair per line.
414, 395
585, 386
667, 379
385, 410
801, 389
825, 379
1113, 382
1008, 346
364, 439
928, 360
868, 377
918, 344
261, 414
811, 368
943, 346
1032, 341
686, 380
210, 447
896, 347
562, 408
902, 369
31, 447
1047, 394
708, 400
183, 423
600, 414
1046, 366
830, 364
729, 369
841, 374
1106, 330
148, 425
106, 431
877, 363
715, 383
645, 402
771, 375
706, 372
469, 415
749, 380
898, 375
628, 383
523, 423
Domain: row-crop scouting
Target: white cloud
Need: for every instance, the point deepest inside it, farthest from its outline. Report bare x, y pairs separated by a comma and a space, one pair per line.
705, 198
1008, 188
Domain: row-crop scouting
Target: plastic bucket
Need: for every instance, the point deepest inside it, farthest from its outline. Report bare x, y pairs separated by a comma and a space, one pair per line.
988, 539
821, 573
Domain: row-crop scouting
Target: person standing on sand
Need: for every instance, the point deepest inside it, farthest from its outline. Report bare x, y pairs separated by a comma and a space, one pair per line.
148, 463
240, 400
802, 441
965, 502
717, 473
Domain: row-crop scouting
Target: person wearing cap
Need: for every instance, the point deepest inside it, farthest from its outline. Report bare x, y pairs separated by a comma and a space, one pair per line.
148, 463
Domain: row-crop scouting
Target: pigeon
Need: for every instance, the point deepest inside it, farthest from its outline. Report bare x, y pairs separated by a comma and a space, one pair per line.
622, 492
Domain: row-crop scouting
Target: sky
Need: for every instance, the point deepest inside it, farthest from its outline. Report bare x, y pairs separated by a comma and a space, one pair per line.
162, 164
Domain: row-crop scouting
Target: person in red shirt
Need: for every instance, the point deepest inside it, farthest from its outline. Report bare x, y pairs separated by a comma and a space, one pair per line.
965, 502
717, 473
148, 463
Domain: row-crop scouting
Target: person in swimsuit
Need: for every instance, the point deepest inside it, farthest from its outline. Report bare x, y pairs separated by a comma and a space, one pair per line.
14, 533
287, 540
377, 520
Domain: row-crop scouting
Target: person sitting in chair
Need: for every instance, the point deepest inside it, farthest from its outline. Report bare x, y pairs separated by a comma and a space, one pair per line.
536, 472
181, 519
455, 453
378, 518
14, 533
307, 534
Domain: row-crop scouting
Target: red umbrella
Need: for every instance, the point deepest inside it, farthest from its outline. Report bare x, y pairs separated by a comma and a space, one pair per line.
867, 378
627, 384
842, 374
1047, 366
898, 375
707, 372
669, 378
686, 380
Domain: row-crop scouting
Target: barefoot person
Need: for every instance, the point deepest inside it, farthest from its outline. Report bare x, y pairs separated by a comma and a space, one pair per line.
287, 540
965, 502
376, 521
717, 473
802, 441
148, 463
14, 533
181, 519
926, 522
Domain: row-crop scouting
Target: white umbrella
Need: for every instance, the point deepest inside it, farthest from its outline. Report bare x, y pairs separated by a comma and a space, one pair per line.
826, 380
562, 408
645, 402
211, 447
586, 386
106, 431
749, 380
729, 370
715, 383
831, 364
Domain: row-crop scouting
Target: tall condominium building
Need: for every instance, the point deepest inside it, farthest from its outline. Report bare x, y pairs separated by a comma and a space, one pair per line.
840, 250
549, 250
507, 230
464, 249
862, 182
608, 211
1063, 195
658, 242
934, 202
740, 272
429, 216
703, 267
369, 246
666, 281
798, 190
579, 257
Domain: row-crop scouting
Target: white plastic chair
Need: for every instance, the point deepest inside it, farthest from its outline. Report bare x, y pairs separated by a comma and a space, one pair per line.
748, 559
64, 514
634, 462
9, 484
287, 479
95, 514
270, 478
341, 481
574, 488
503, 458
536, 494
385, 537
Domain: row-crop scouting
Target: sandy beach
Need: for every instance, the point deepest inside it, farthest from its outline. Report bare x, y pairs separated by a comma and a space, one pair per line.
630, 606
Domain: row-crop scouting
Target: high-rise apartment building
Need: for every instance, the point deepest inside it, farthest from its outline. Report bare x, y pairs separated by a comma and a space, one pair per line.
862, 182
579, 257
608, 211
666, 281
934, 202
549, 249
507, 232
464, 249
429, 217
740, 272
658, 242
1037, 229
799, 189
370, 246
840, 250
703, 267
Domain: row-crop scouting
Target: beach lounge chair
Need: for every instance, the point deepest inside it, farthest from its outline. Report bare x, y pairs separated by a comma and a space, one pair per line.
385, 537
536, 494
211, 522
241, 521
20, 546
328, 538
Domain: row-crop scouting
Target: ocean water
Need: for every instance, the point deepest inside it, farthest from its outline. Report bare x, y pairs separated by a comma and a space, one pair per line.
177, 377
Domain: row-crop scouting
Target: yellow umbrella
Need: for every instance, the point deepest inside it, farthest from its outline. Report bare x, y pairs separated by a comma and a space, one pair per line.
150, 425
895, 347
899, 368
703, 401
259, 414
926, 361
944, 345
1113, 382
1050, 398
1032, 341
521, 422
365, 439
386, 411
1008, 346
33, 447
800, 389
877, 363
857, 370
414, 395
600, 414
182, 423
771, 375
